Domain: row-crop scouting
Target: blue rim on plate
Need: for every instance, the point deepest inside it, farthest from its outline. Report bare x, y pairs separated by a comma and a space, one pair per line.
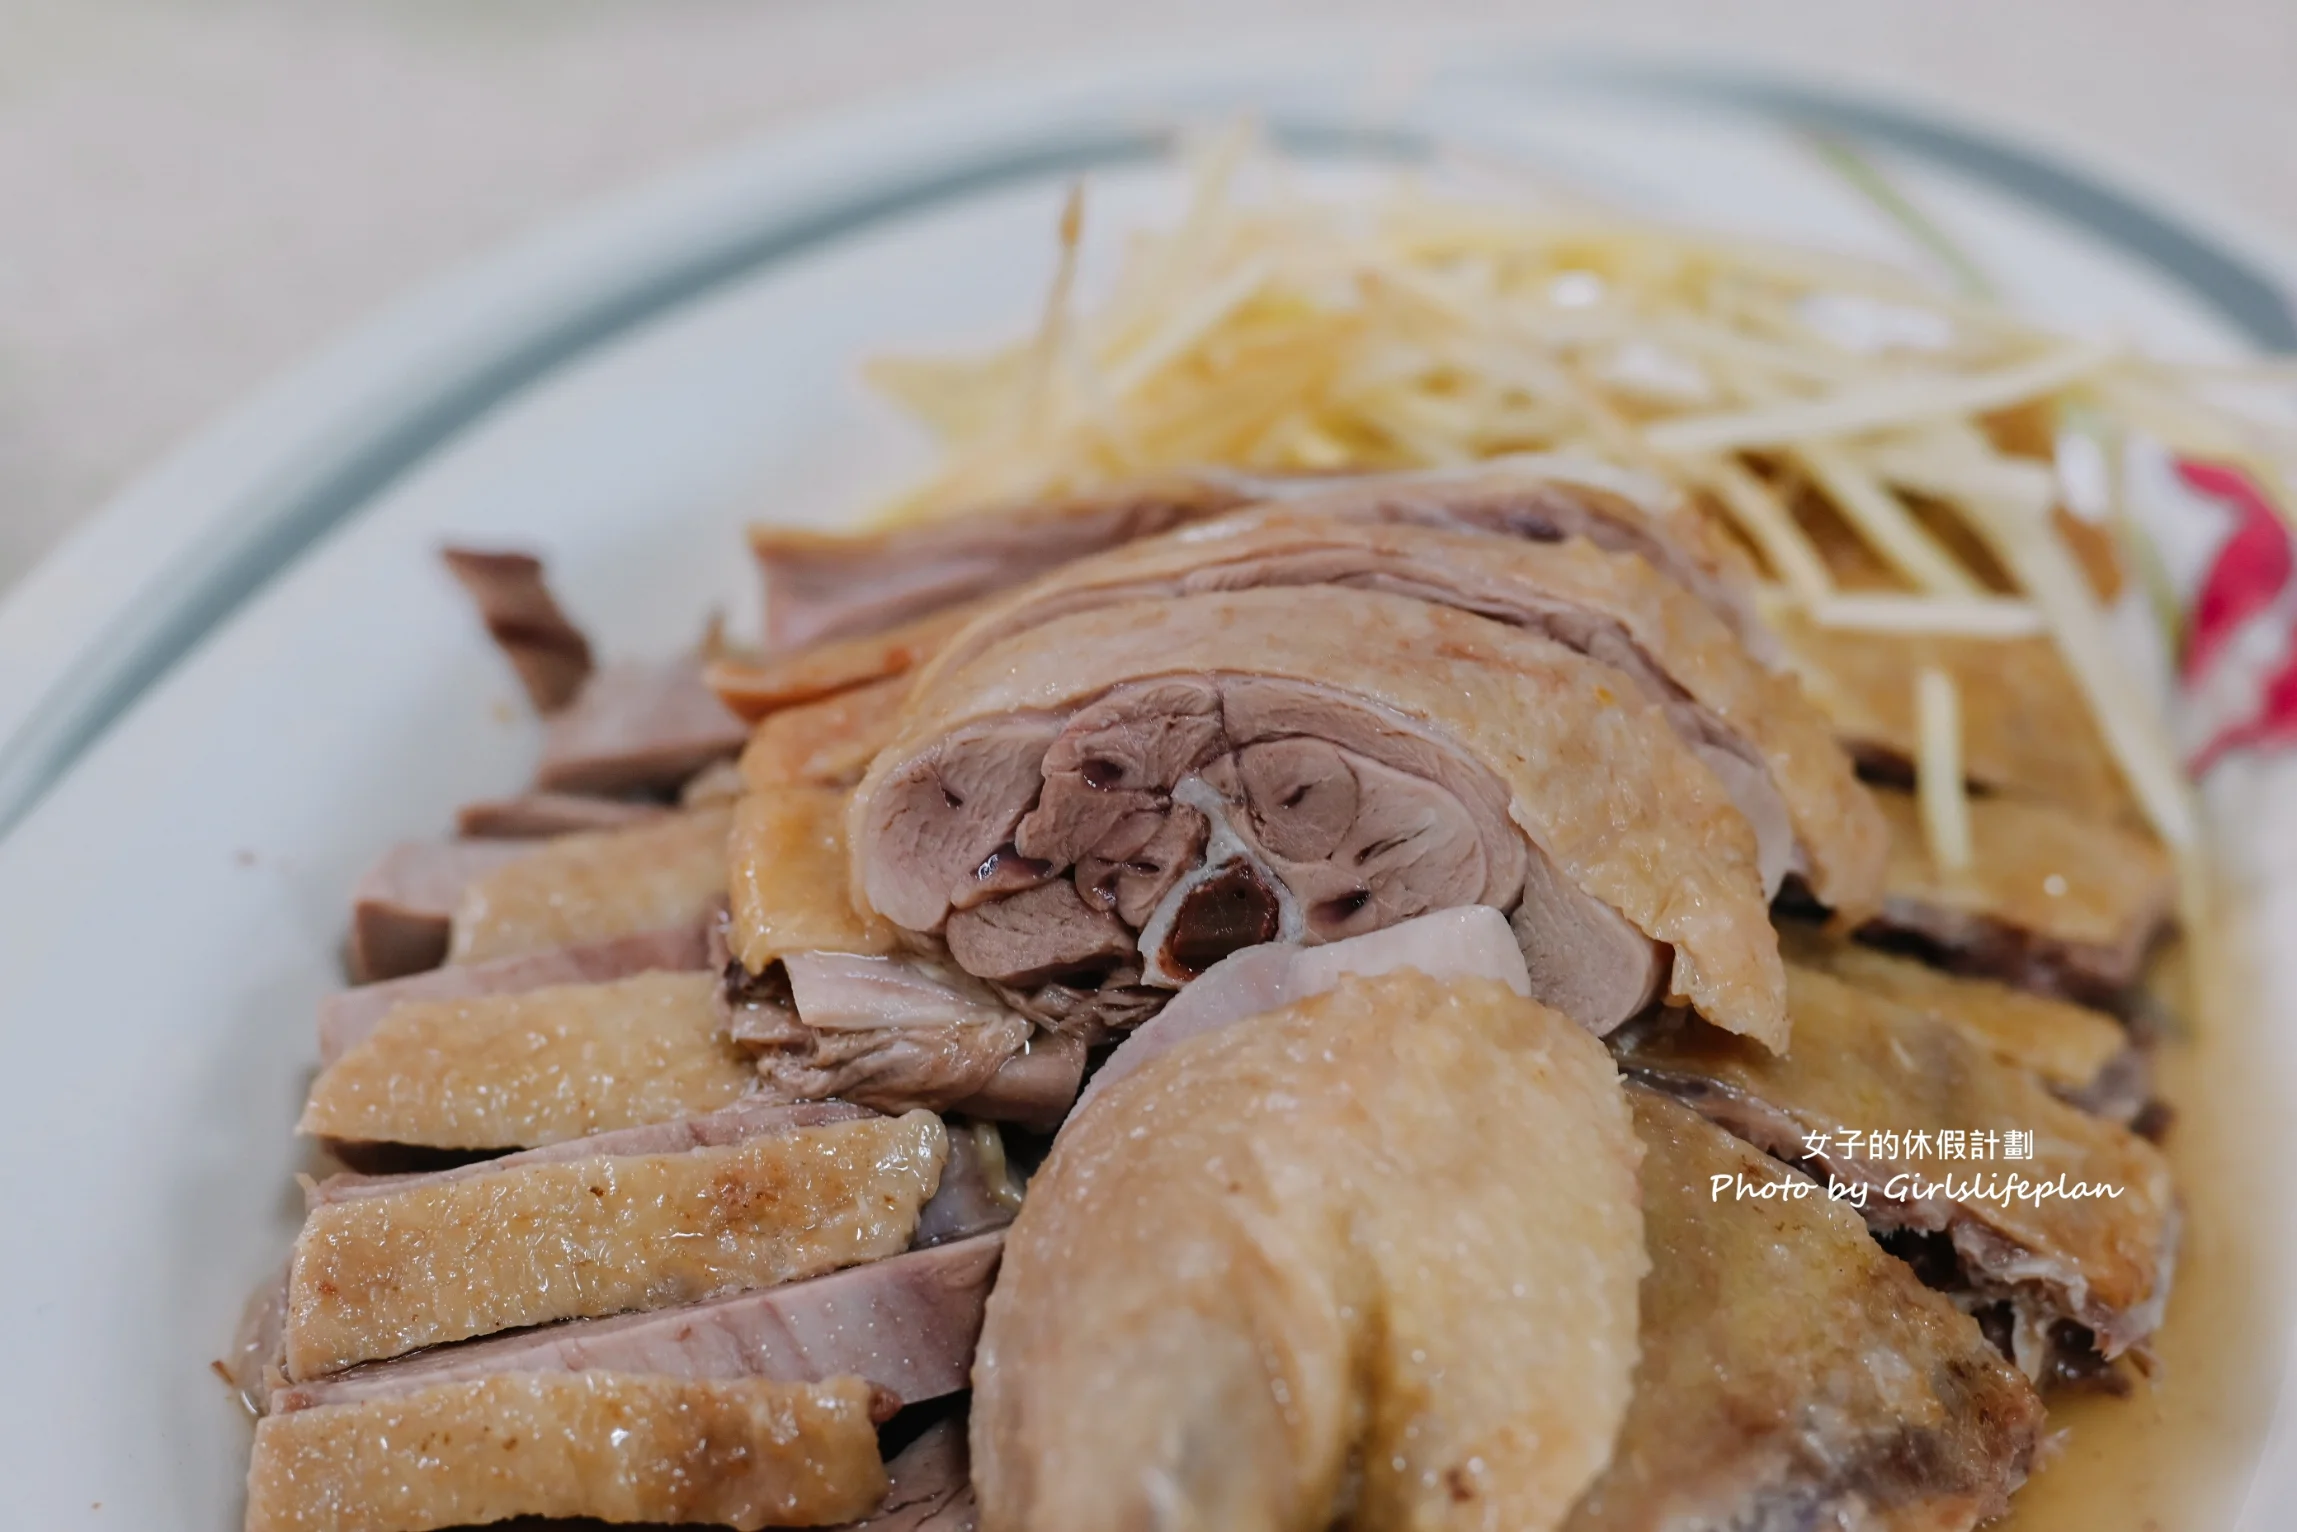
149, 634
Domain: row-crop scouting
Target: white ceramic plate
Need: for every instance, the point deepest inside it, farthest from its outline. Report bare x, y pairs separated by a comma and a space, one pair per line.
219, 702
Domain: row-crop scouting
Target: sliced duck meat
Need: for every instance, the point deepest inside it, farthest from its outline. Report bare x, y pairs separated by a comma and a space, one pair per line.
979, 1190
828, 743
538, 816
1034, 1088
929, 1489
1552, 497
890, 1032
743, 1453
638, 727
754, 685
815, 988
1793, 1374
976, 1192
746, 1119
594, 887
822, 586
402, 912
349, 1015
786, 869
896, 1032
538, 1067
2082, 1055
1367, 758
1321, 1269
827, 585
2064, 1216
906, 1324
2052, 901
531, 1241
2025, 728
1471, 942
1772, 751
1049, 931
1586, 958
932, 1485
549, 653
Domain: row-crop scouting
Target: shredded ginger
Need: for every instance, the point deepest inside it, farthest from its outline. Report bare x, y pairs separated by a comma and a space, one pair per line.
1941, 794
1282, 333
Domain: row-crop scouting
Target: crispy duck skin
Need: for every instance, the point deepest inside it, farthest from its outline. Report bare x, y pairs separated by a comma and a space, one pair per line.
1547, 498
2025, 729
403, 909
754, 686
1773, 751
744, 1120
1323, 1268
827, 743
594, 887
744, 1453
822, 586
457, 1256
817, 990
349, 1015
906, 1324
2071, 1048
1862, 1063
825, 586
857, 611
929, 1490
1793, 1373
1371, 757
514, 1071
2053, 901
786, 867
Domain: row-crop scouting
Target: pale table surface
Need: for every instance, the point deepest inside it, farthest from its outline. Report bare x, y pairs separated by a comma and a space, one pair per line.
195, 194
